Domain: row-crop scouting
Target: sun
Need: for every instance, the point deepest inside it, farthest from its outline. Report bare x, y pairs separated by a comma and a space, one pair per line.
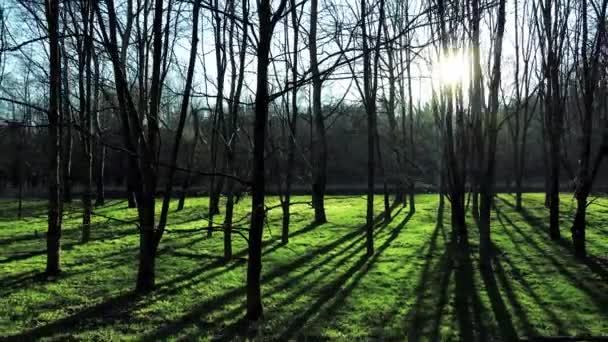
451, 69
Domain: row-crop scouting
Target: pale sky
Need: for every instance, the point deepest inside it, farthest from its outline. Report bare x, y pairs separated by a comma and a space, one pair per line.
423, 74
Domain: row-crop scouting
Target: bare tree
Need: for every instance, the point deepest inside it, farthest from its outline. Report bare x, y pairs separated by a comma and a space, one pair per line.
490, 135
589, 82
144, 143
524, 108
319, 148
552, 30
55, 204
267, 22
231, 133
292, 123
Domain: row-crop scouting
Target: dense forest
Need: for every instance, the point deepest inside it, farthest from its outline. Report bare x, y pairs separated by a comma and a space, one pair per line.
250, 119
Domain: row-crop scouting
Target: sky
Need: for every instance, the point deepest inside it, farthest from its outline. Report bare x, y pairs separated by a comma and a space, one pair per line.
426, 70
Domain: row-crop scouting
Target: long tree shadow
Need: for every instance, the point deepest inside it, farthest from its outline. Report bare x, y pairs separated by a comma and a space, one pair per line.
518, 275
239, 328
469, 309
501, 313
119, 307
8, 211
335, 290
124, 304
560, 248
426, 288
379, 219
505, 281
71, 239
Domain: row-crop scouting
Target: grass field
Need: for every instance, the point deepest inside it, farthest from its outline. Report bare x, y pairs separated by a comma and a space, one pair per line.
320, 285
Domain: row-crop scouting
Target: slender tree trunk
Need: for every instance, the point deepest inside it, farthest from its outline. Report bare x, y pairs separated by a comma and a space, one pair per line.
66, 119
258, 189
587, 173
85, 108
100, 198
320, 147
190, 162
578, 227
385, 192
412, 156
370, 109
554, 185
55, 204
258, 212
147, 253
131, 182
100, 155
214, 208
228, 220
100, 148
488, 178
293, 124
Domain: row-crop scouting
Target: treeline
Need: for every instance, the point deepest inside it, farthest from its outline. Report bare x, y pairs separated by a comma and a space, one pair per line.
24, 149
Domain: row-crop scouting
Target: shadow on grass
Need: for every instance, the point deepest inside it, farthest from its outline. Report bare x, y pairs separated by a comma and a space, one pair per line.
121, 307
558, 247
429, 288
336, 290
100, 231
351, 243
516, 275
433, 291
8, 209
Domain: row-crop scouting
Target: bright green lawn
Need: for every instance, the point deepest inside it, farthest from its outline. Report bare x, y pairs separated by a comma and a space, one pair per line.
320, 285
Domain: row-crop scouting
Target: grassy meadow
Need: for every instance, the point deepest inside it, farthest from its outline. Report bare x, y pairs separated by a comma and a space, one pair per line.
319, 286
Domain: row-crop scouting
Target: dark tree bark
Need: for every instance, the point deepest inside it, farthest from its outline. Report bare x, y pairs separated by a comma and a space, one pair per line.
218, 126
369, 93
320, 146
190, 162
100, 153
292, 123
552, 32
452, 123
141, 143
589, 82
491, 134
236, 86
84, 46
55, 201
183, 114
66, 129
267, 22
412, 155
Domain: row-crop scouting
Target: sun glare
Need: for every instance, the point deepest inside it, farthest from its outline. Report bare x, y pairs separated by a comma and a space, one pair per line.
451, 70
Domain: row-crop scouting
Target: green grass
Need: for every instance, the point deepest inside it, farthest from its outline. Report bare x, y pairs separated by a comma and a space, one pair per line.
320, 285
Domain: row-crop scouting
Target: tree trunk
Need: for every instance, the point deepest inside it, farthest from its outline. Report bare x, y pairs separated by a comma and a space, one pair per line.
131, 182
188, 176
147, 254
100, 199
258, 189
100, 149
85, 109
412, 184
386, 195
554, 189
55, 205
370, 108
578, 227
228, 221
320, 147
66, 120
